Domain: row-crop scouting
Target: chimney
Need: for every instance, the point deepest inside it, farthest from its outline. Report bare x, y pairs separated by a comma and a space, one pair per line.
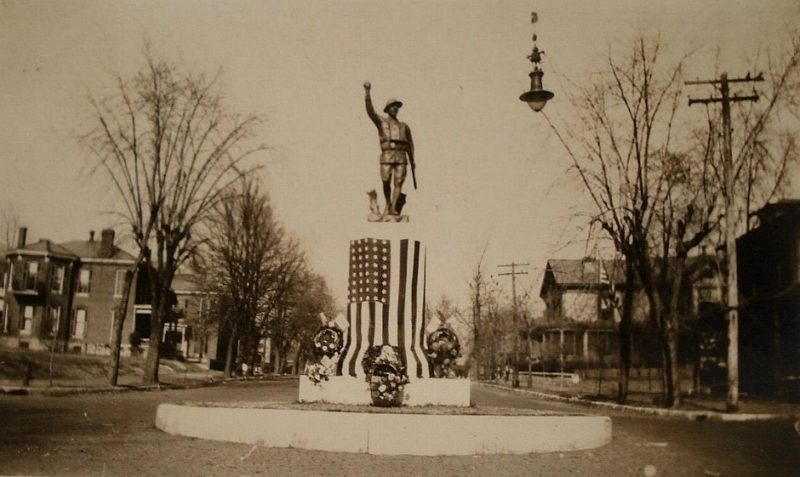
106, 243
91, 235
22, 237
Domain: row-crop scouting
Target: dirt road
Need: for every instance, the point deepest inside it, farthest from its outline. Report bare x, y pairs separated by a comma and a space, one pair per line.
113, 434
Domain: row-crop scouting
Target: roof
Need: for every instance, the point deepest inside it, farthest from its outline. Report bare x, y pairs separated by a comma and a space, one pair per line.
44, 247
778, 210
91, 249
573, 272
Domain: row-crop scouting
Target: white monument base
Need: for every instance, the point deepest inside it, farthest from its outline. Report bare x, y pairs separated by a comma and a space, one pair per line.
420, 392
386, 434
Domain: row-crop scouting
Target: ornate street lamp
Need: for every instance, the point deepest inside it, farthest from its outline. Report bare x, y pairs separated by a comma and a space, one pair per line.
537, 97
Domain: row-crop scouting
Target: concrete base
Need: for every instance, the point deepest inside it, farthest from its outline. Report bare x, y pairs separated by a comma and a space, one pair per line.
420, 392
386, 434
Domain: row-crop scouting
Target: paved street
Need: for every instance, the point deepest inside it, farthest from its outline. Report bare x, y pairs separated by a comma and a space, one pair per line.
113, 434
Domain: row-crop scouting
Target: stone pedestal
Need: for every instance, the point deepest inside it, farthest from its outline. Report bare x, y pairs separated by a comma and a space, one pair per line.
386, 306
355, 391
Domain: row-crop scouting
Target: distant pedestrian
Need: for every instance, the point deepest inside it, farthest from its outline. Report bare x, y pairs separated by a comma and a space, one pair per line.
28, 376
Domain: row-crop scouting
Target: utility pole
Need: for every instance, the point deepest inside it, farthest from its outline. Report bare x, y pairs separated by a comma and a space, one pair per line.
731, 222
515, 350
476, 333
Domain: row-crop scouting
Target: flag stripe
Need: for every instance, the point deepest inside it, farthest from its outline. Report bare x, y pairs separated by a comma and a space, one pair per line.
346, 348
371, 333
401, 301
425, 311
385, 319
358, 340
414, 302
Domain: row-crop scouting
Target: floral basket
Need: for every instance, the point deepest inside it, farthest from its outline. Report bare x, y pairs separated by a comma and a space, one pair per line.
328, 341
386, 385
443, 351
386, 375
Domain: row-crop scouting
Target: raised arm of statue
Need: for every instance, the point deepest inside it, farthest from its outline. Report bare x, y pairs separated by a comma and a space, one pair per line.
370, 110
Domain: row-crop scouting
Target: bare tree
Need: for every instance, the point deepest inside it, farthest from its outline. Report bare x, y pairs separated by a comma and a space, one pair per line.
625, 126
477, 289
240, 259
314, 298
294, 313
495, 325
765, 136
10, 223
170, 148
656, 195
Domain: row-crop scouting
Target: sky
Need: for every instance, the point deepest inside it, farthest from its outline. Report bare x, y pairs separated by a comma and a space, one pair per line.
492, 174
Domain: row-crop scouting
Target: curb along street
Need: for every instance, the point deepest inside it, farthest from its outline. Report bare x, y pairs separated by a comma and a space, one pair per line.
72, 390
651, 411
658, 412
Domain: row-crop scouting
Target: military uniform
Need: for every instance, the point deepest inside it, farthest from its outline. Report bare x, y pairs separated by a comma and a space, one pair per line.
397, 149
395, 136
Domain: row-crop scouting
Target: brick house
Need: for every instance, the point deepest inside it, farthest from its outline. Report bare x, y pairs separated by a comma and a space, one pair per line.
768, 259
64, 295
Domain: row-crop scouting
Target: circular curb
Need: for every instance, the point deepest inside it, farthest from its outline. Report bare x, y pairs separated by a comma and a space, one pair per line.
387, 434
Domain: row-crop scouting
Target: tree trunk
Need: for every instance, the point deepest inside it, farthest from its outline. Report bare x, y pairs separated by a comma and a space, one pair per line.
625, 329
230, 355
245, 351
278, 362
297, 355
672, 328
669, 357
672, 379
154, 352
530, 355
119, 325
251, 364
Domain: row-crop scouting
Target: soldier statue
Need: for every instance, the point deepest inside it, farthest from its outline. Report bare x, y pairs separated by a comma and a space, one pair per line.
397, 153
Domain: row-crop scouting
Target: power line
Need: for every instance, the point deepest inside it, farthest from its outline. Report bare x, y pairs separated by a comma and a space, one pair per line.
732, 401
515, 351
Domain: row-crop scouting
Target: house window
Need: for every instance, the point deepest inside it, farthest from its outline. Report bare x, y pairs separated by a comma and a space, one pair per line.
31, 272
84, 281
55, 319
111, 327
79, 324
57, 279
119, 284
26, 324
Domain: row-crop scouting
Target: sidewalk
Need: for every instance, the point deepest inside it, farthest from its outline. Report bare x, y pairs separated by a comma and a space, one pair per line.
692, 407
63, 387
186, 381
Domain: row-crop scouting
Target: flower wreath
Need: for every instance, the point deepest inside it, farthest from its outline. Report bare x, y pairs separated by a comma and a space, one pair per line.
328, 341
443, 350
386, 375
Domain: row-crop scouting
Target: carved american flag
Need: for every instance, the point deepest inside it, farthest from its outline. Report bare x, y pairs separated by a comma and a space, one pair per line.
386, 301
